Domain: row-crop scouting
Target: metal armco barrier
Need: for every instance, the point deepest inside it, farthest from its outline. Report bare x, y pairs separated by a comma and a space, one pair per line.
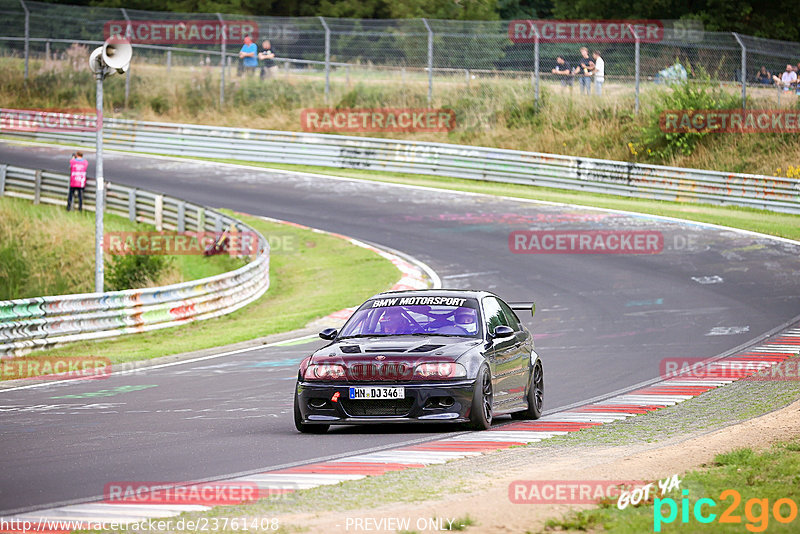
459, 161
26, 324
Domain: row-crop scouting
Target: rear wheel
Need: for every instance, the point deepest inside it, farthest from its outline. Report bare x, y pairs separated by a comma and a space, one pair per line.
480, 417
305, 427
535, 395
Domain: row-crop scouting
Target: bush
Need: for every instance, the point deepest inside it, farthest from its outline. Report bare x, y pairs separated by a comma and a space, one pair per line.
698, 93
133, 271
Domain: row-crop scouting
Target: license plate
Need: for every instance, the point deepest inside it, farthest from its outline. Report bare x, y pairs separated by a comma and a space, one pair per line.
374, 393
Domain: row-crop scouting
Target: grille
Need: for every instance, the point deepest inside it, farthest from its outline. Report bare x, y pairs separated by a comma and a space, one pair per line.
374, 371
378, 407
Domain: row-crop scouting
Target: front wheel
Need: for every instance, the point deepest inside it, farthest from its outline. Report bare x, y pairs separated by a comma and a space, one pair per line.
480, 417
305, 428
535, 395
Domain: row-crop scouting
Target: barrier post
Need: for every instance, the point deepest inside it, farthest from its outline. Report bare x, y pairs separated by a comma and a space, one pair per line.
744, 70
327, 58
37, 186
222, 62
430, 61
27, 35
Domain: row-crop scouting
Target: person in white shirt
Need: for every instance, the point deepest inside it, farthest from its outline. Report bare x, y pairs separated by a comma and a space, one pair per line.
787, 79
599, 72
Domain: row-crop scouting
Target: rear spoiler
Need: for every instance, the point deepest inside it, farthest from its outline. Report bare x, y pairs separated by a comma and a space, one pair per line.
523, 306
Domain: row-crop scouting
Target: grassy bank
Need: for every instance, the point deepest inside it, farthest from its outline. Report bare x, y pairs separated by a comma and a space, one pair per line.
45, 250
759, 479
490, 111
298, 256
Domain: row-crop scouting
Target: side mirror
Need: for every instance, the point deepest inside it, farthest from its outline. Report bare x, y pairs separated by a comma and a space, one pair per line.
329, 334
502, 331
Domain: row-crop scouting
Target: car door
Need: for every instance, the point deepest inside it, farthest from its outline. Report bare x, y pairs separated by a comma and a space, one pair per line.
518, 381
500, 353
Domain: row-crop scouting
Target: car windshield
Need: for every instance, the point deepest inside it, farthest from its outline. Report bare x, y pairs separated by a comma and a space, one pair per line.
386, 317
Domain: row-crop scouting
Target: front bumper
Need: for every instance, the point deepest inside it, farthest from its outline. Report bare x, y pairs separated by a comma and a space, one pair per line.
438, 402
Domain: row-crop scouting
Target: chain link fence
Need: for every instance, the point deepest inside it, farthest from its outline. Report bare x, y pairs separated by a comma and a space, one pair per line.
431, 62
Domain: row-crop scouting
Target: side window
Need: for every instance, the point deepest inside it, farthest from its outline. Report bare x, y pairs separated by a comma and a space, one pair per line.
493, 315
513, 320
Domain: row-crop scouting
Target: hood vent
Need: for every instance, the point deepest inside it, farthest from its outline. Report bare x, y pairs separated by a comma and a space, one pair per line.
350, 349
426, 348
386, 349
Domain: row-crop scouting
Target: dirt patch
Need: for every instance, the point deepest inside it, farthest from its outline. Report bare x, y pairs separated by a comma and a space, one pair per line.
489, 504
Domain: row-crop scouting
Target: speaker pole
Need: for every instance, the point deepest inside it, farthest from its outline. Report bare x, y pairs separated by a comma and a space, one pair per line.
99, 203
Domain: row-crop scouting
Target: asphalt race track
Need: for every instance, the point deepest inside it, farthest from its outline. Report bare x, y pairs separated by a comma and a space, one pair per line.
604, 322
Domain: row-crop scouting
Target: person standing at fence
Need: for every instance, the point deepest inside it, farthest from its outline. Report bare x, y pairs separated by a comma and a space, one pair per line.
248, 56
267, 55
584, 71
77, 179
563, 70
599, 72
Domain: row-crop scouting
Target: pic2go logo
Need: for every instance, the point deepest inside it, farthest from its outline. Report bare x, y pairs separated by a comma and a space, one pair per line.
756, 511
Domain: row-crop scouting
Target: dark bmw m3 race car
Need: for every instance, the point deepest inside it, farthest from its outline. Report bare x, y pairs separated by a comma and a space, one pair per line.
422, 356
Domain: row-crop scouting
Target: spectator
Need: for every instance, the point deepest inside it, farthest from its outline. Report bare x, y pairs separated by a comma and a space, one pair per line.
77, 178
584, 71
248, 56
564, 71
787, 79
599, 72
268, 68
763, 76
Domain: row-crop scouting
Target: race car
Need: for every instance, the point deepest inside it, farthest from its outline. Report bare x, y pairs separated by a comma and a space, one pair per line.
422, 356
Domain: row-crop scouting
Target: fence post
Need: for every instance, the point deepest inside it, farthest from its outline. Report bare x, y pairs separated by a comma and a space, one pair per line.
47, 51
536, 62
181, 216
327, 58
430, 61
3, 170
638, 41
132, 205
27, 34
158, 212
37, 186
222, 62
169, 60
744, 71
128, 71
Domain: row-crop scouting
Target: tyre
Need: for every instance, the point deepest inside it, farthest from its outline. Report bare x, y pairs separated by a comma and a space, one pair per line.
305, 428
480, 415
535, 395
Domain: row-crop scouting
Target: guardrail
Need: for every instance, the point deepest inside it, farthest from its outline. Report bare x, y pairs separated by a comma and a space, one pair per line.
26, 324
459, 161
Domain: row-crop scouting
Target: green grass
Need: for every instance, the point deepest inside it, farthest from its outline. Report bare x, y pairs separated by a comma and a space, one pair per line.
311, 275
490, 111
45, 250
777, 224
768, 475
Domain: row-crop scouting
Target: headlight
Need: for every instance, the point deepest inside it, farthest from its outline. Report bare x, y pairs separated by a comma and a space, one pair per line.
325, 371
435, 371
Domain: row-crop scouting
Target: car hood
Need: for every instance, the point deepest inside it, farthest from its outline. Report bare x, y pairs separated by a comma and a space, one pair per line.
406, 349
